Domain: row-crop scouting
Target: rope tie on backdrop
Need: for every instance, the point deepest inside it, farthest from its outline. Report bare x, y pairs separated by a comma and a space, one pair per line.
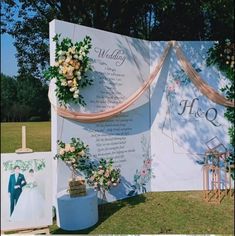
203, 87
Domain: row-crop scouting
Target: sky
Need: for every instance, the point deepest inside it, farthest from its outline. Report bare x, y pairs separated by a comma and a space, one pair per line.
8, 58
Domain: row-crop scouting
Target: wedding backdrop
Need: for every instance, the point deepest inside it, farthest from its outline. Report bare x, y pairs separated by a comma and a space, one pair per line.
153, 108
146, 109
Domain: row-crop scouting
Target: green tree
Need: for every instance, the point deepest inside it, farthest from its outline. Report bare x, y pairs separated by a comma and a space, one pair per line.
23, 98
27, 21
8, 92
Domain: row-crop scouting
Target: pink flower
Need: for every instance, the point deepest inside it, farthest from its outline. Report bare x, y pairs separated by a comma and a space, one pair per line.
177, 82
67, 147
148, 163
106, 174
171, 88
109, 183
143, 172
95, 184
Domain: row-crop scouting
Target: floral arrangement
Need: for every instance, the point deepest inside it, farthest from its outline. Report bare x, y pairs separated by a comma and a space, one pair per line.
70, 68
104, 176
75, 155
101, 176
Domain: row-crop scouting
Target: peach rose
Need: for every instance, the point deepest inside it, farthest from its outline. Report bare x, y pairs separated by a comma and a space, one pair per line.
106, 174
61, 151
81, 153
70, 83
67, 147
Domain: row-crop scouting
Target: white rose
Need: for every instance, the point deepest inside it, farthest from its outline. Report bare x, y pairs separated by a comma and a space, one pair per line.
72, 89
67, 60
75, 56
80, 57
76, 91
75, 95
86, 47
78, 72
63, 83
56, 63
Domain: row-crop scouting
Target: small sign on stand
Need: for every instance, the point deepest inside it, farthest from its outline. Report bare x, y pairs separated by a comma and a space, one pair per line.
23, 149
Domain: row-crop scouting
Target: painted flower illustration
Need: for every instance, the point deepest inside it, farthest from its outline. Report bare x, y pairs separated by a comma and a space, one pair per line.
179, 79
142, 176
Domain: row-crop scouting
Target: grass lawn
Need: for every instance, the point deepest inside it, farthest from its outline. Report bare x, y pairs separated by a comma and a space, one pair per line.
151, 213
38, 136
163, 213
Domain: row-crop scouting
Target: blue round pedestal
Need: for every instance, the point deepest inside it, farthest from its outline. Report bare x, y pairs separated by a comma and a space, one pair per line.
79, 212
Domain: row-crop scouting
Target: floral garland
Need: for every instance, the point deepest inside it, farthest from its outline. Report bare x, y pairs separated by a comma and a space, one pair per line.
70, 69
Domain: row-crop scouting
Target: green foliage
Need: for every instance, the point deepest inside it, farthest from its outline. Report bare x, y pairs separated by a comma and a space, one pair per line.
36, 165
22, 98
222, 56
27, 21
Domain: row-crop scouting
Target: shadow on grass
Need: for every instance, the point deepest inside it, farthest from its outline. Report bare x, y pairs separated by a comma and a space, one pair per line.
105, 211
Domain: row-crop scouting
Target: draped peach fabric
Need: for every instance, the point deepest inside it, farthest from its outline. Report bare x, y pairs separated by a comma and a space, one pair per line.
101, 116
204, 88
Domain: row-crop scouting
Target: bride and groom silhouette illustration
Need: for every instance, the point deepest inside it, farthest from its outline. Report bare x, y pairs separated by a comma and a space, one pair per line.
26, 201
